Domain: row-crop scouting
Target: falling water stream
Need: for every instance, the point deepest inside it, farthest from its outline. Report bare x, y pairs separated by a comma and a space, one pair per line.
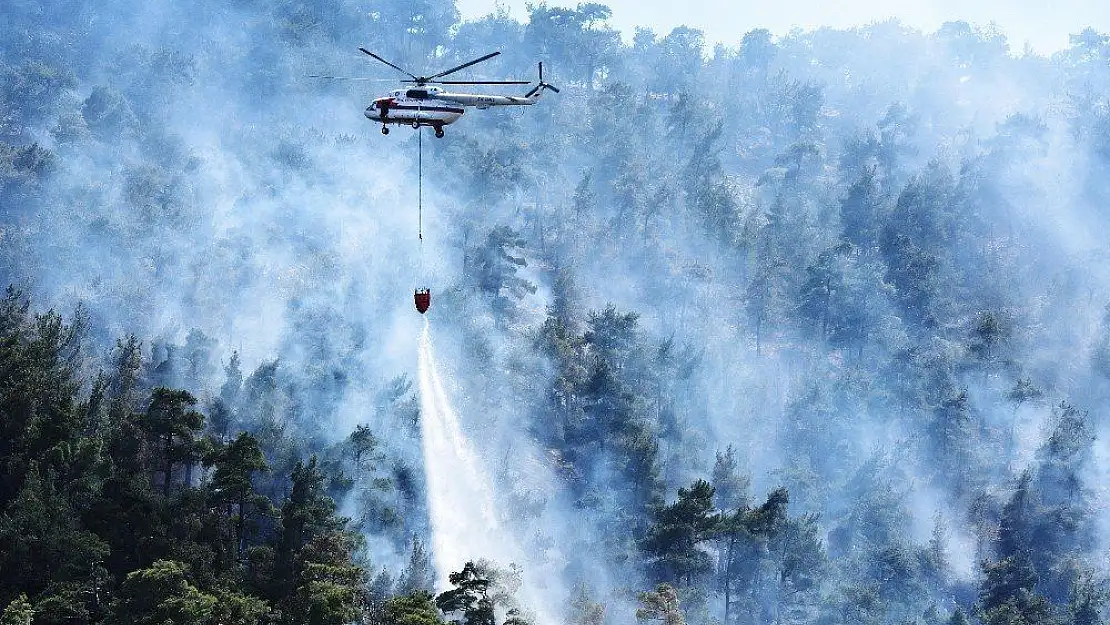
460, 495
461, 500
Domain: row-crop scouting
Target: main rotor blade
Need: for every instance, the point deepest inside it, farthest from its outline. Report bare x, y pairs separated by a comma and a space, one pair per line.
364, 78
477, 82
464, 65
387, 63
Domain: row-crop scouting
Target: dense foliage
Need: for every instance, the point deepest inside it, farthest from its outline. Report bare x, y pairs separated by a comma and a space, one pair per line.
811, 328
118, 507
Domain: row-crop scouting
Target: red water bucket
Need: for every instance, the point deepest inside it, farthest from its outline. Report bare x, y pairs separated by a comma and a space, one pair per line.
423, 300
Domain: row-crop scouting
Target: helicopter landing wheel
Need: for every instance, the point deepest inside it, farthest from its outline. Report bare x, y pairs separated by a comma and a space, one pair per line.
439, 132
416, 125
385, 130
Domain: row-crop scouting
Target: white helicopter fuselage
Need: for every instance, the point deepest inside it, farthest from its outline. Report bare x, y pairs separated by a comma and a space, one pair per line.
432, 106
414, 106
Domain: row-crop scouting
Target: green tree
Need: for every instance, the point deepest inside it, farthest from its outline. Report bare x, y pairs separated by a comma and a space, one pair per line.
233, 380
419, 575
161, 594
173, 427
470, 597
914, 243
660, 605
1087, 600
362, 444
951, 433
66, 604
123, 385
583, 610
328, 587
835, 298
108, 113
235, 608
495, 268
415, 31
198, 353
308, 513
515, 617
730, 488
771, 564
577, 39
988, 337
32, 92
767, 293
42, 541
39, 422
1008, 593
232, 485
861, 213
418, 608
732, 535
25, 173
675, 540
18, 612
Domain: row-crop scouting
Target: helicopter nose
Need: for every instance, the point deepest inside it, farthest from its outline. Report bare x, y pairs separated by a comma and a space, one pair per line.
371, 113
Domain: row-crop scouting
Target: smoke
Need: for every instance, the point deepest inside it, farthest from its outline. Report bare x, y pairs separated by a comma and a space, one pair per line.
261, 208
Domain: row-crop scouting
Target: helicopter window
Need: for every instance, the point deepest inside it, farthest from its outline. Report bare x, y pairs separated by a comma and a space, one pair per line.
416, 93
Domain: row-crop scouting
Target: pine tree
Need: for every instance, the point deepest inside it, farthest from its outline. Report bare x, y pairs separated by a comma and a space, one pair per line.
496, 264
161, 594
232, 484
306, 514
860, 213
173, 427
470, 597
18, 612
327, 588
417, 608
730, 488
660, 605
583, 610
419, 575
675, 540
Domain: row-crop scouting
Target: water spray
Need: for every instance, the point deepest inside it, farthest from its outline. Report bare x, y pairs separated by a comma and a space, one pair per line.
462, 503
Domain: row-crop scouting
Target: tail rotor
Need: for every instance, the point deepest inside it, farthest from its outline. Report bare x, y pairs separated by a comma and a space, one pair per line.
541, 86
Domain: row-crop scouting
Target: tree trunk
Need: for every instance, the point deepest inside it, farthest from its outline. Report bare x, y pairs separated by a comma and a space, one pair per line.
240, 526
728, 576
167, 469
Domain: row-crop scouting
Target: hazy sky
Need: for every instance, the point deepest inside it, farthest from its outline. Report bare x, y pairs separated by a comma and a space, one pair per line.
1044, 24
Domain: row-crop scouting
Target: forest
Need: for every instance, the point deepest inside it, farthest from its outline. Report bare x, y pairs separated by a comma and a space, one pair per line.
806, 328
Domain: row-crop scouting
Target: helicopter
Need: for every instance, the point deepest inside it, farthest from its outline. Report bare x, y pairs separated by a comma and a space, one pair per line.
428, 104
425, 103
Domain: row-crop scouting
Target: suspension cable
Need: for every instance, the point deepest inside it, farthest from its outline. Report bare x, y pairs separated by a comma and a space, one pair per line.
420, 185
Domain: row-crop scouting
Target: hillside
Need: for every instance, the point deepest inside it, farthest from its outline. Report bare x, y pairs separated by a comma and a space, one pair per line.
812, 329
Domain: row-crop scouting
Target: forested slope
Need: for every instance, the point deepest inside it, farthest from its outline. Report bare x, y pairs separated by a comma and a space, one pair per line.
812, 328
